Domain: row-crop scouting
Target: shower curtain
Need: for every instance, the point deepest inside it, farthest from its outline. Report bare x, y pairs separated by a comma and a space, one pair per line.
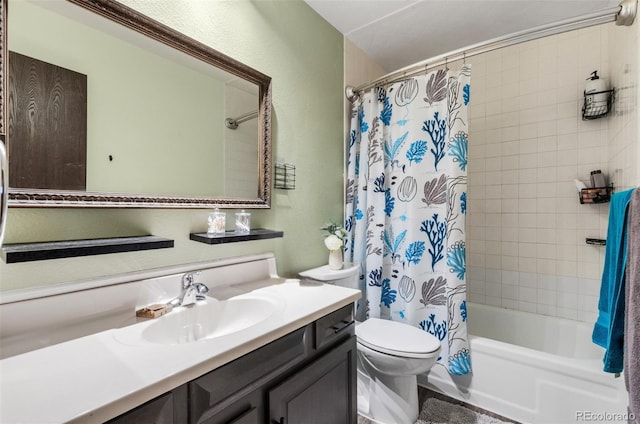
406, 203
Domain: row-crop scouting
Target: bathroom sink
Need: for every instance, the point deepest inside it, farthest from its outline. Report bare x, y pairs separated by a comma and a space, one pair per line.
206, 320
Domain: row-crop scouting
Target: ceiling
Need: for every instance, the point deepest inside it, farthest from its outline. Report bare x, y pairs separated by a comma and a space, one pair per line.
398, 33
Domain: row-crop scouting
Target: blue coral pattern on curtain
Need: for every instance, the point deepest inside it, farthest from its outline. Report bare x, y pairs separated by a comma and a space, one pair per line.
406, 203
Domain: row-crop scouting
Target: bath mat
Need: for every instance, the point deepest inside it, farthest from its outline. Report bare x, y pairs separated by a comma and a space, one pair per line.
436, 411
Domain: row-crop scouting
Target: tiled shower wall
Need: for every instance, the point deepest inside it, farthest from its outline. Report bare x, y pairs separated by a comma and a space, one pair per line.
624, 136
526, 229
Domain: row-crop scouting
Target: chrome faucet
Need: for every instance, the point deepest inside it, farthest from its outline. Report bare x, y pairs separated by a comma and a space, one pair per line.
192, 291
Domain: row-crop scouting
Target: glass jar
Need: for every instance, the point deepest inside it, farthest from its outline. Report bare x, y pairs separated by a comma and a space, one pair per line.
217, 222
243, 222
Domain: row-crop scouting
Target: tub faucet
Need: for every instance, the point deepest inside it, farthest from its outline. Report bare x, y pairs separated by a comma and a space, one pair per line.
192, 291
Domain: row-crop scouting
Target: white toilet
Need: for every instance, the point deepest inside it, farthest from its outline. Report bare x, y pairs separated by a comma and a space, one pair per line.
390, 356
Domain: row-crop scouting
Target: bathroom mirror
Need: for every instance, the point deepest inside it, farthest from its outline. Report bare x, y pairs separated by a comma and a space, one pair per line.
153, 108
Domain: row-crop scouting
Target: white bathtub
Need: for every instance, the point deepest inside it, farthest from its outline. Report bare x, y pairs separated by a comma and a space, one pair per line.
534, 369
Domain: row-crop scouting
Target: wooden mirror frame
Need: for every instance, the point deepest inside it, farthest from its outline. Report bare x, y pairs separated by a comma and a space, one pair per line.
146, 26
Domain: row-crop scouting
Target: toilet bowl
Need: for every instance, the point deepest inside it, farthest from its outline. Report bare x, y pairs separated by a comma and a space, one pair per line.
390, 356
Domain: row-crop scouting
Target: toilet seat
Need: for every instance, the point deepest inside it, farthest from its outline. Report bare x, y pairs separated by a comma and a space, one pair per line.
396, 338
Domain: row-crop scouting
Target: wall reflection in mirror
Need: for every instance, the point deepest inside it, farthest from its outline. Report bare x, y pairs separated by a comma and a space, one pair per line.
97, 107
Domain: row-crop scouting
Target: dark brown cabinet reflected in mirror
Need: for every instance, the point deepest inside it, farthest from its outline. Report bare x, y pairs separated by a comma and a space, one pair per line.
47, 125
178, 154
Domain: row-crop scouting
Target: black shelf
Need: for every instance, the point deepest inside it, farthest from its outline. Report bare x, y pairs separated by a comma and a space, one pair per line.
26, 252
232, 237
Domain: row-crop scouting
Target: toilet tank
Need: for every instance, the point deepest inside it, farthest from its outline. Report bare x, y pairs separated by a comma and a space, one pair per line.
347, 276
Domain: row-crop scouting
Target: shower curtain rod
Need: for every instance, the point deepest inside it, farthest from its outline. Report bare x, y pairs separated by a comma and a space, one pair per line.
232, 123
623, 14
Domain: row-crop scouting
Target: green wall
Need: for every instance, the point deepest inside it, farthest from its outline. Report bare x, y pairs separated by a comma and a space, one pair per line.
304, 56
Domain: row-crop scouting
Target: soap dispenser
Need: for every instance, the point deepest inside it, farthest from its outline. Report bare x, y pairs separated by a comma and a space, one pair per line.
595, 96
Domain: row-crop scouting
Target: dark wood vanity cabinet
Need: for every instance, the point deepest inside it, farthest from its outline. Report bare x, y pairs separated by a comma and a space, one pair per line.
322, 392
307, 376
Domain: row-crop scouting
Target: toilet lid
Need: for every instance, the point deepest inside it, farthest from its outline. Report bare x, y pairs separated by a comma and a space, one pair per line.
324, 273
395, 338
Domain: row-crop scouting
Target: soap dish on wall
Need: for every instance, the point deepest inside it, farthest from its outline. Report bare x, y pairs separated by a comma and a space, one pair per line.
596, 194
597, 109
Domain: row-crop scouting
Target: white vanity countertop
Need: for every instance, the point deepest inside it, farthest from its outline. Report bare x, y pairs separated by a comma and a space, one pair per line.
98, 377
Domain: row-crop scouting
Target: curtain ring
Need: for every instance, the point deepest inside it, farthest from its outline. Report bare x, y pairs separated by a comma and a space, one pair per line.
464, 58
446, 63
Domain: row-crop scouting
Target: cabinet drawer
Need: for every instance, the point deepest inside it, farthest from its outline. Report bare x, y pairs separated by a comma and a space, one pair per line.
334, 327
168, 408
247, 372
249, 417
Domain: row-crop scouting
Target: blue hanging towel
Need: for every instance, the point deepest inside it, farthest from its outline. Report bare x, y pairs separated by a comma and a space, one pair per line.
608, 331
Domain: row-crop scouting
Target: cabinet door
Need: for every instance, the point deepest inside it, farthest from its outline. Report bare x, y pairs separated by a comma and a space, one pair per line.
169, 408
323, 392
246, 410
